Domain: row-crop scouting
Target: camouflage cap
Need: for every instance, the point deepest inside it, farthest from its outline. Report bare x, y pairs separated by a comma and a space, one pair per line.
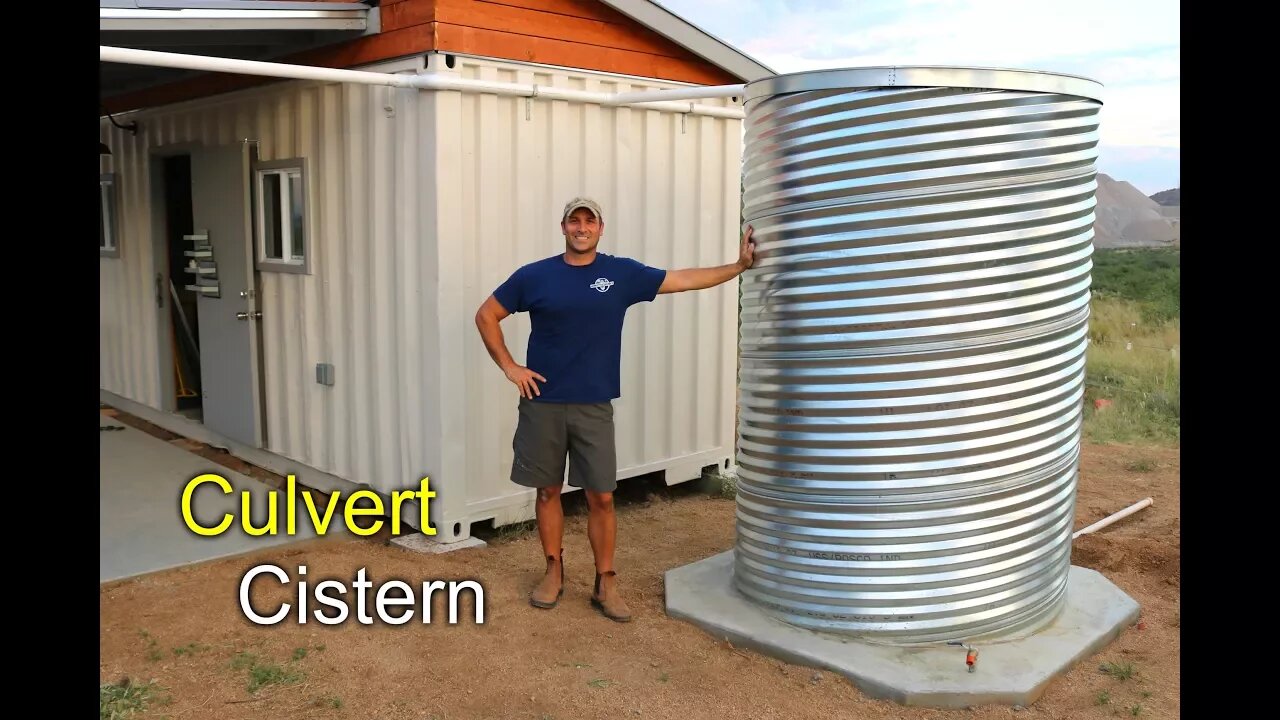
581, 202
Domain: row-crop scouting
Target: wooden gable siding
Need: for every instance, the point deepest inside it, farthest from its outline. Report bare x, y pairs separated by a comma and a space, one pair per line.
574, 33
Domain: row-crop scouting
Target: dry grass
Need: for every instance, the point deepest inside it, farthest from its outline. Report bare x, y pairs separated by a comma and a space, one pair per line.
1137, 367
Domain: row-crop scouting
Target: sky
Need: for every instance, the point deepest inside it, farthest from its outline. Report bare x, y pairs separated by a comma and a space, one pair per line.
1130, 46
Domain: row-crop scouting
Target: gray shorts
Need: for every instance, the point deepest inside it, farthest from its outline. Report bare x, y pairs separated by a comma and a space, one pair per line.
548, 432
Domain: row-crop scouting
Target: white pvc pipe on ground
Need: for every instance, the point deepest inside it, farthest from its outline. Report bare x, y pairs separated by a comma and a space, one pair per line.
1112, 518
656, 100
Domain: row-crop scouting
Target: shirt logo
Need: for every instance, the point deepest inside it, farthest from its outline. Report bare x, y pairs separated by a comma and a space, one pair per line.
601, 284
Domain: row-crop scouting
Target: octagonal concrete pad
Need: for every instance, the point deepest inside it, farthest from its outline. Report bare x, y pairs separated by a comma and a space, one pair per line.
1010, 672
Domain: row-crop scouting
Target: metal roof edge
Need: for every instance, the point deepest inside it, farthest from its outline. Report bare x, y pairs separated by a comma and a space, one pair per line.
115, 17
171, 5
695, 39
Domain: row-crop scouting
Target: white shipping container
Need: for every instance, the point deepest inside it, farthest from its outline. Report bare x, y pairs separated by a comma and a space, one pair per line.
419, 204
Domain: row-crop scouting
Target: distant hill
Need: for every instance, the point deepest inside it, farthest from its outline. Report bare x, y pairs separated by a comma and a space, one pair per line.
1125, 218
1168, 197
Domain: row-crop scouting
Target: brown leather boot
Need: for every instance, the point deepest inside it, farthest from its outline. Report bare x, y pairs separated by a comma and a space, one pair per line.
547, 593
610, 602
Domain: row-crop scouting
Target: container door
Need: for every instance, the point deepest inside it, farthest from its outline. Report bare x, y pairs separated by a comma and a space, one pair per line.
221, 257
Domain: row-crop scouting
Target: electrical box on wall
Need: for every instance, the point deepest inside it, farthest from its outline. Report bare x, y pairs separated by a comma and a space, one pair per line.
324, 373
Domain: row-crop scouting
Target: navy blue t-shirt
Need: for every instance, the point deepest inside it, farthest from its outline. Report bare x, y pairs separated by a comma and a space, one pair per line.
577, 314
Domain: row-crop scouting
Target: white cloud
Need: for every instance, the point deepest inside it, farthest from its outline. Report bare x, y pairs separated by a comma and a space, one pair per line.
994, 33
1150, 169
1155, 66
1142, 115
1130, 46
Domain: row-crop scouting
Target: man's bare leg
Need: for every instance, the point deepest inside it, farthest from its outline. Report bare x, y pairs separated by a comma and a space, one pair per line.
602, 529
550, 515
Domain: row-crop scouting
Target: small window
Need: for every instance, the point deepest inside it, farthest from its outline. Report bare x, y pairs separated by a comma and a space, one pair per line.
108, 212
280, 196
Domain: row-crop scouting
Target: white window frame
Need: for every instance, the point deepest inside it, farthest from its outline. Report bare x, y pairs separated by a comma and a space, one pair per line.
108, 202
288, 243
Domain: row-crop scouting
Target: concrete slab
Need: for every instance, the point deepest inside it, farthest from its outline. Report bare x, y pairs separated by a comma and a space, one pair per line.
1010, 672
141, 529
418, 542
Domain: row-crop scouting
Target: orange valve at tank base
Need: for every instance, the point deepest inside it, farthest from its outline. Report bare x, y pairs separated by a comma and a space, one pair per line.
971, 654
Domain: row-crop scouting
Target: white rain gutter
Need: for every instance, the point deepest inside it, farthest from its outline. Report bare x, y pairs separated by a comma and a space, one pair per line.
666, 100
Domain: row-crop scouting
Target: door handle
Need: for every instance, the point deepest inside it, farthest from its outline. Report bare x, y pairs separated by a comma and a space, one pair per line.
159, 290
256, 314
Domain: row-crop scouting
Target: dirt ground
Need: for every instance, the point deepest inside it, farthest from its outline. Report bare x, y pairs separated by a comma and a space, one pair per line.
184, 628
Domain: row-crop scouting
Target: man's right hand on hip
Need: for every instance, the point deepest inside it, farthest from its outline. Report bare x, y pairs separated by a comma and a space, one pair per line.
523, 379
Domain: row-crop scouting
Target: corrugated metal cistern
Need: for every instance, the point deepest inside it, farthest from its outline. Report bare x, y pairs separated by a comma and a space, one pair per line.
913, 339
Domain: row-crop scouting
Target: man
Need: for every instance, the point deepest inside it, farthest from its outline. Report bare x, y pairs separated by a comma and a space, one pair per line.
577, 301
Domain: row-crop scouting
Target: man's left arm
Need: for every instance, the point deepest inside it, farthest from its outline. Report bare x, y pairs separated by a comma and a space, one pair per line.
702, 278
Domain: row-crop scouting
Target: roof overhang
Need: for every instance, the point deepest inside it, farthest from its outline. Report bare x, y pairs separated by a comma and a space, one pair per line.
699, 41
242, 29
268, 30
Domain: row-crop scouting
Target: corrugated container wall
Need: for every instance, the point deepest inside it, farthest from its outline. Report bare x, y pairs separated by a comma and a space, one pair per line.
128, 349
421, 204
669, 189
365, 307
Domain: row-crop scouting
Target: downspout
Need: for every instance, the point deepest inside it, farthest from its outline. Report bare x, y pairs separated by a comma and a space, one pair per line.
665, 100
